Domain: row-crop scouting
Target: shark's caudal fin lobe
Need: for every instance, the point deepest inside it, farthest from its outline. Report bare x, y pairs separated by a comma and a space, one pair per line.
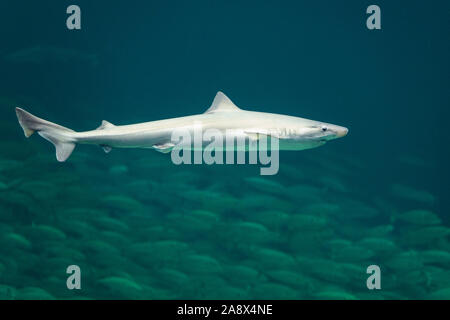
56, 134
26, 121
63, 149
222, 103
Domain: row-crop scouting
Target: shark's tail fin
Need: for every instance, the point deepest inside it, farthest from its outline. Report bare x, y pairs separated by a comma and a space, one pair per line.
60, 136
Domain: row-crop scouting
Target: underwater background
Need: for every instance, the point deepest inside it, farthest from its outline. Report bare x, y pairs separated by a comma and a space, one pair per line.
141, 227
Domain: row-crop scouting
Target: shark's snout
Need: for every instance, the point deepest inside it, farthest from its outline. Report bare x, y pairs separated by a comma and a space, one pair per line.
341, 132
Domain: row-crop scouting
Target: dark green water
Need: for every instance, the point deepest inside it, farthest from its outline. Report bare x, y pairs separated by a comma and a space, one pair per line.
140, 227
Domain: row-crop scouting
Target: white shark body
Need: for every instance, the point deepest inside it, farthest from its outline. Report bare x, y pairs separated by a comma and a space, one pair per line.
293, 133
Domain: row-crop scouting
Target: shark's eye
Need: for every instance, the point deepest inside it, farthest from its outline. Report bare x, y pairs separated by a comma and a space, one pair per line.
324, 128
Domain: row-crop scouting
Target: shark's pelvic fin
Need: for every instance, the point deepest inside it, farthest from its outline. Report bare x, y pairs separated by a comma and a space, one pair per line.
164, 148
222, 103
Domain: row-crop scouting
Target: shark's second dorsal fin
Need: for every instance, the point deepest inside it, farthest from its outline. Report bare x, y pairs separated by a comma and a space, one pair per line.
222, 103
105, 124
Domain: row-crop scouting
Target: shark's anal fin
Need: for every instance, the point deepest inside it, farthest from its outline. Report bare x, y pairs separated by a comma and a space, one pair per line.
106, 148
105, 125
164, 148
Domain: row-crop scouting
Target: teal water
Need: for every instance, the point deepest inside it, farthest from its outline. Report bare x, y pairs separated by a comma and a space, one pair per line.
140, 227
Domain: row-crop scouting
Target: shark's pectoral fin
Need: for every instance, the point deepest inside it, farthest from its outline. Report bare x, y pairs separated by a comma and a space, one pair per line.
164, 147
106, 148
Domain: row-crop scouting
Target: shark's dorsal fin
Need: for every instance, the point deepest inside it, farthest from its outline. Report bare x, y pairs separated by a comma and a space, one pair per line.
222, 103
105, 124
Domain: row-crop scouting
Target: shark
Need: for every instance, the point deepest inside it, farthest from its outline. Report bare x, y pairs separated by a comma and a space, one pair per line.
293, 133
